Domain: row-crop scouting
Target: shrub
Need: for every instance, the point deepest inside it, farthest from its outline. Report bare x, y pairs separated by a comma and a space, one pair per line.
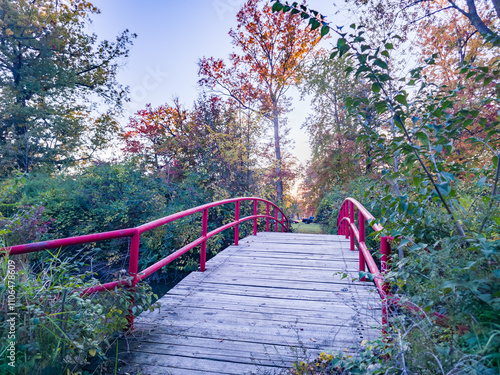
55, 328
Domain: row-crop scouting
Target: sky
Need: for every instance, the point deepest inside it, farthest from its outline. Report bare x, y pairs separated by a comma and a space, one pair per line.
172, 35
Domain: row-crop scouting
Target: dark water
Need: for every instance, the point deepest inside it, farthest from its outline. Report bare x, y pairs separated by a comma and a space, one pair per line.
161, 287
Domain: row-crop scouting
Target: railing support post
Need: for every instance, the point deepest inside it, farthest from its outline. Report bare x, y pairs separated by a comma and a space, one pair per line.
346, 224
132, 272
237, 226
385, 248
351, 218
204, 230
275, 219
343, 222
255, 203
361, 241
267, 219
340, 224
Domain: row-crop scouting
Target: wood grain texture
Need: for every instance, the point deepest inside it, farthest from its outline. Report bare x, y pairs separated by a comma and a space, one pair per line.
274, 299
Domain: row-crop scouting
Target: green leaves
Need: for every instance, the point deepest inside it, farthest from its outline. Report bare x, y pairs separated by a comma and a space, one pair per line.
314, 23
277, 7
424, 138
382, 64
325, 30
376, 87
342, 46
401, 98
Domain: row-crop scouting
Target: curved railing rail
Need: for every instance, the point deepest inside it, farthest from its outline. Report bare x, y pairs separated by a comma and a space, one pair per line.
135, 234
346, 224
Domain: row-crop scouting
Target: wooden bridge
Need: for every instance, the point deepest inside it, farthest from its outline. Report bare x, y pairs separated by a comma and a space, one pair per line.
256, 309
269, 300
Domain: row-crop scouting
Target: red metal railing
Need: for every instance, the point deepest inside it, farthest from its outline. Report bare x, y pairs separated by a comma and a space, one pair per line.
135, 234
346, 224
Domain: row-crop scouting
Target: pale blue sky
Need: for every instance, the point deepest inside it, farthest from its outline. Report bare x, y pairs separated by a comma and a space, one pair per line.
172, 36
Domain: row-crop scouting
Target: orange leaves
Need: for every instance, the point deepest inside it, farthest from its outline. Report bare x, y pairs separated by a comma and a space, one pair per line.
269, 49
272, 46
150, 130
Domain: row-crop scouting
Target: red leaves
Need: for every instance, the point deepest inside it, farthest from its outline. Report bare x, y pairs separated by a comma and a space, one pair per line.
150, 130
272, 47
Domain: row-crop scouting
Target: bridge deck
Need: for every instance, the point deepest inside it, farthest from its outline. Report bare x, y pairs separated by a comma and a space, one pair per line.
258, 307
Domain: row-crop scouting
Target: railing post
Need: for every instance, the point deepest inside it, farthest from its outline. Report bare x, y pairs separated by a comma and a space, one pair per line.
204, 230
267, 219
351, 218
361, 241
346, 224
255, 203
385, 249
237, 226
275, 219
344, 208
340, 224
132, 272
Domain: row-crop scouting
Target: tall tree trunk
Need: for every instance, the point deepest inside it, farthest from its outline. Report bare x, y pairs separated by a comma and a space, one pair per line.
496, 5
279, 180
473, 16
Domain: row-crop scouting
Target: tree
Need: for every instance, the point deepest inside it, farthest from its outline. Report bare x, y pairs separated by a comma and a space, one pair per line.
214, 141
51, 73
455, 43
331, 131
272, 48
385, 17
150, 134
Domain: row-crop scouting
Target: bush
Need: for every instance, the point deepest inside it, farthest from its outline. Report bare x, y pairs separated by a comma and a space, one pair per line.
107, 197
54, 328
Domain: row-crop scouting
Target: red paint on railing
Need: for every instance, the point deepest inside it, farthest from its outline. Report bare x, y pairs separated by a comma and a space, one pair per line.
347, 226
255, 204
267, 220
236, 218
135, 233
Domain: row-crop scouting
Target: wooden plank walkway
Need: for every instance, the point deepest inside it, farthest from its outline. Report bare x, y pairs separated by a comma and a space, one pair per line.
258, 307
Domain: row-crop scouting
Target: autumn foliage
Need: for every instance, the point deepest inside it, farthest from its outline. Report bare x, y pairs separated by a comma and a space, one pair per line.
269, 49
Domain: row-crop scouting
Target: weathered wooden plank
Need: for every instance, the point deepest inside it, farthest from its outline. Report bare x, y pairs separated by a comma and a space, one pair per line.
311, 263
304, 297
337, 338
286, 286
282, 303
270, 291
370, 317
288, 252
172, 363
248, 312
313, 279
175, 343
244, 354
274, 291
204, 317
144, 369
301, 278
